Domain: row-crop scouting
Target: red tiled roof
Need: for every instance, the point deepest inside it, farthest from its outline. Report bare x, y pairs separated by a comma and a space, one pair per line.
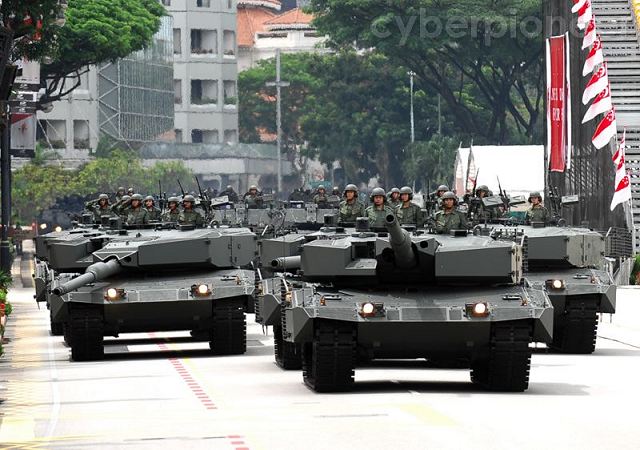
293, 17
250, 21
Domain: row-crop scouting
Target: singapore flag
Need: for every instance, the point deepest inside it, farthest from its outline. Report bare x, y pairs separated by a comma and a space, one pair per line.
594, 57
596, 84
600, 105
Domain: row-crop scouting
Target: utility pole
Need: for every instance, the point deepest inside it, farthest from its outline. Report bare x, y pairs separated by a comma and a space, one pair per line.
5, 169
439, 117
278, 83
413, 133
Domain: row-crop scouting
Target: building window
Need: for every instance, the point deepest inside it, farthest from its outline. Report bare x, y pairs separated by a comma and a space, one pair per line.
166, 2
177, 41
57, 133
210, 136
81, 134
229, 42
196, 136
231, 136
229, 92
178, 132
204, 92
177, 91
229, 4
204, 42
203, 3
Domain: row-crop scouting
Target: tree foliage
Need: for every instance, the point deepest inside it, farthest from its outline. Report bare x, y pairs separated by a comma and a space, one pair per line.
483, 57
430, 163
37, 187
97, 31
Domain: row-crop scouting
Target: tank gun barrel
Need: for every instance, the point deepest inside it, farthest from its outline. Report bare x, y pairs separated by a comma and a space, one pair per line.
95, 272
400, 243
287, 262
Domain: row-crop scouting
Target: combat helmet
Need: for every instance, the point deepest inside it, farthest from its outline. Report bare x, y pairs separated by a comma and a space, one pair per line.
483, 187
189, 198
394, 190
450, 194
534, 194
136, 197
149, 197
443, 187
103, 197
173, 199
322, 187
378, 191
350, 187
407, 190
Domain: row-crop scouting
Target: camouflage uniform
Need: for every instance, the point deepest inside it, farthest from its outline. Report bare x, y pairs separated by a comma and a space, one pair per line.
137, 216
349, 212
171, 216
191, 217
538, 213
453, 220
412, 215
153, 213
253, 201
98, 212
320, 200
377, 217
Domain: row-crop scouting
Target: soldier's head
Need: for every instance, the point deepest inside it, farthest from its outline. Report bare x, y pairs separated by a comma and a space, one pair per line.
253, 189
535, 198
149, 201
482, 191
130, 191
350, 191
441, 190
136, 200
395, 194
406, 194
188, 201
103, 200
449, 200
229, 188
378, 196
126, 198
335, 191
321, 190
173, 203
120, 191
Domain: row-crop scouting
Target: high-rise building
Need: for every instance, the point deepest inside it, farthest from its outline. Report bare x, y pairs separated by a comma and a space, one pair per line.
205, 70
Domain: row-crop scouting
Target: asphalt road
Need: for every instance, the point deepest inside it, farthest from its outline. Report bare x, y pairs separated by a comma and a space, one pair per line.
161, 391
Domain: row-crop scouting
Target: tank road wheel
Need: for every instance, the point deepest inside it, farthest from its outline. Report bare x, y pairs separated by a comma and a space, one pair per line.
56, 327
86, 330
328, 362
288, 354
574, 331
506, 365
229, 333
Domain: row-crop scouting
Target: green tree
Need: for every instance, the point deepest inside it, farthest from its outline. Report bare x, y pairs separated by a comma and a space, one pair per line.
430, 163
36, 188
483, 57
97, 31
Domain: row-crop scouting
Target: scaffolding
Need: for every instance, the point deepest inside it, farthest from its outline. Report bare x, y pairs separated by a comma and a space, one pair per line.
135, 94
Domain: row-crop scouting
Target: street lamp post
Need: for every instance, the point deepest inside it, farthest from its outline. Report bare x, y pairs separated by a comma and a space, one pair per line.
278, 83
413, 133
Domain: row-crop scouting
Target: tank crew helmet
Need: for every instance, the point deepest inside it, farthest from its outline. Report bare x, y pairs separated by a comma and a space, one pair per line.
442, 188
189, 198
321, 188
406, 190
126, 198
136, 197
350, 188
534, 195
149, 197
336, 189
229, 187
450, 194
121, 189
103, 197
130, 191
173, 200
378, 192
483, 187
253, 187
395, 190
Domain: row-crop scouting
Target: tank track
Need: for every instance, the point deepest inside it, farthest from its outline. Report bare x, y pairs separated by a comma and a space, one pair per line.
288, 355
506, 365
575, 330
328, 362
57, 328
86, 330
228, 335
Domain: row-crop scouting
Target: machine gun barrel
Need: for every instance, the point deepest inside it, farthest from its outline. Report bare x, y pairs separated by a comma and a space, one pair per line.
287, 262
400, 243
95, 272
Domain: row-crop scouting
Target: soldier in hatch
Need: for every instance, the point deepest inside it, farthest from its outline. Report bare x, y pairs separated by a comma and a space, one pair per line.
137, 214
448, 218
409, 213
189, 216
537, 212
350, 207
153, 213
378, 212
173, 213
321, 198
393, 198
253, 199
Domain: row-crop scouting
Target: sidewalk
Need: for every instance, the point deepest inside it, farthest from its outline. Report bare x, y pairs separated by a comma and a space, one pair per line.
624, 325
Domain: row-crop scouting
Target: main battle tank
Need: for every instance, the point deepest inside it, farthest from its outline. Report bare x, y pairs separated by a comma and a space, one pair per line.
570, 264
159, 280
372, 296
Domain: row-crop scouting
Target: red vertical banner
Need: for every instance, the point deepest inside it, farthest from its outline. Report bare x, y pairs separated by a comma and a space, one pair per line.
558, 140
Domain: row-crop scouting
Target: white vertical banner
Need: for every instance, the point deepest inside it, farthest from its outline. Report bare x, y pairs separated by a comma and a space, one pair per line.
568, 102
23, 134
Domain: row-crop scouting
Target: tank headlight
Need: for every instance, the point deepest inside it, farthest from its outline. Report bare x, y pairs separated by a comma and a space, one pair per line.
555, 284
369, 309
43, 226
113, 294
58, 229
479, 309
200, 290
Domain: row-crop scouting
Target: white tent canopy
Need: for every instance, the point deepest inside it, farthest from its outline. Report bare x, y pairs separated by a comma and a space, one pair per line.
520, 168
